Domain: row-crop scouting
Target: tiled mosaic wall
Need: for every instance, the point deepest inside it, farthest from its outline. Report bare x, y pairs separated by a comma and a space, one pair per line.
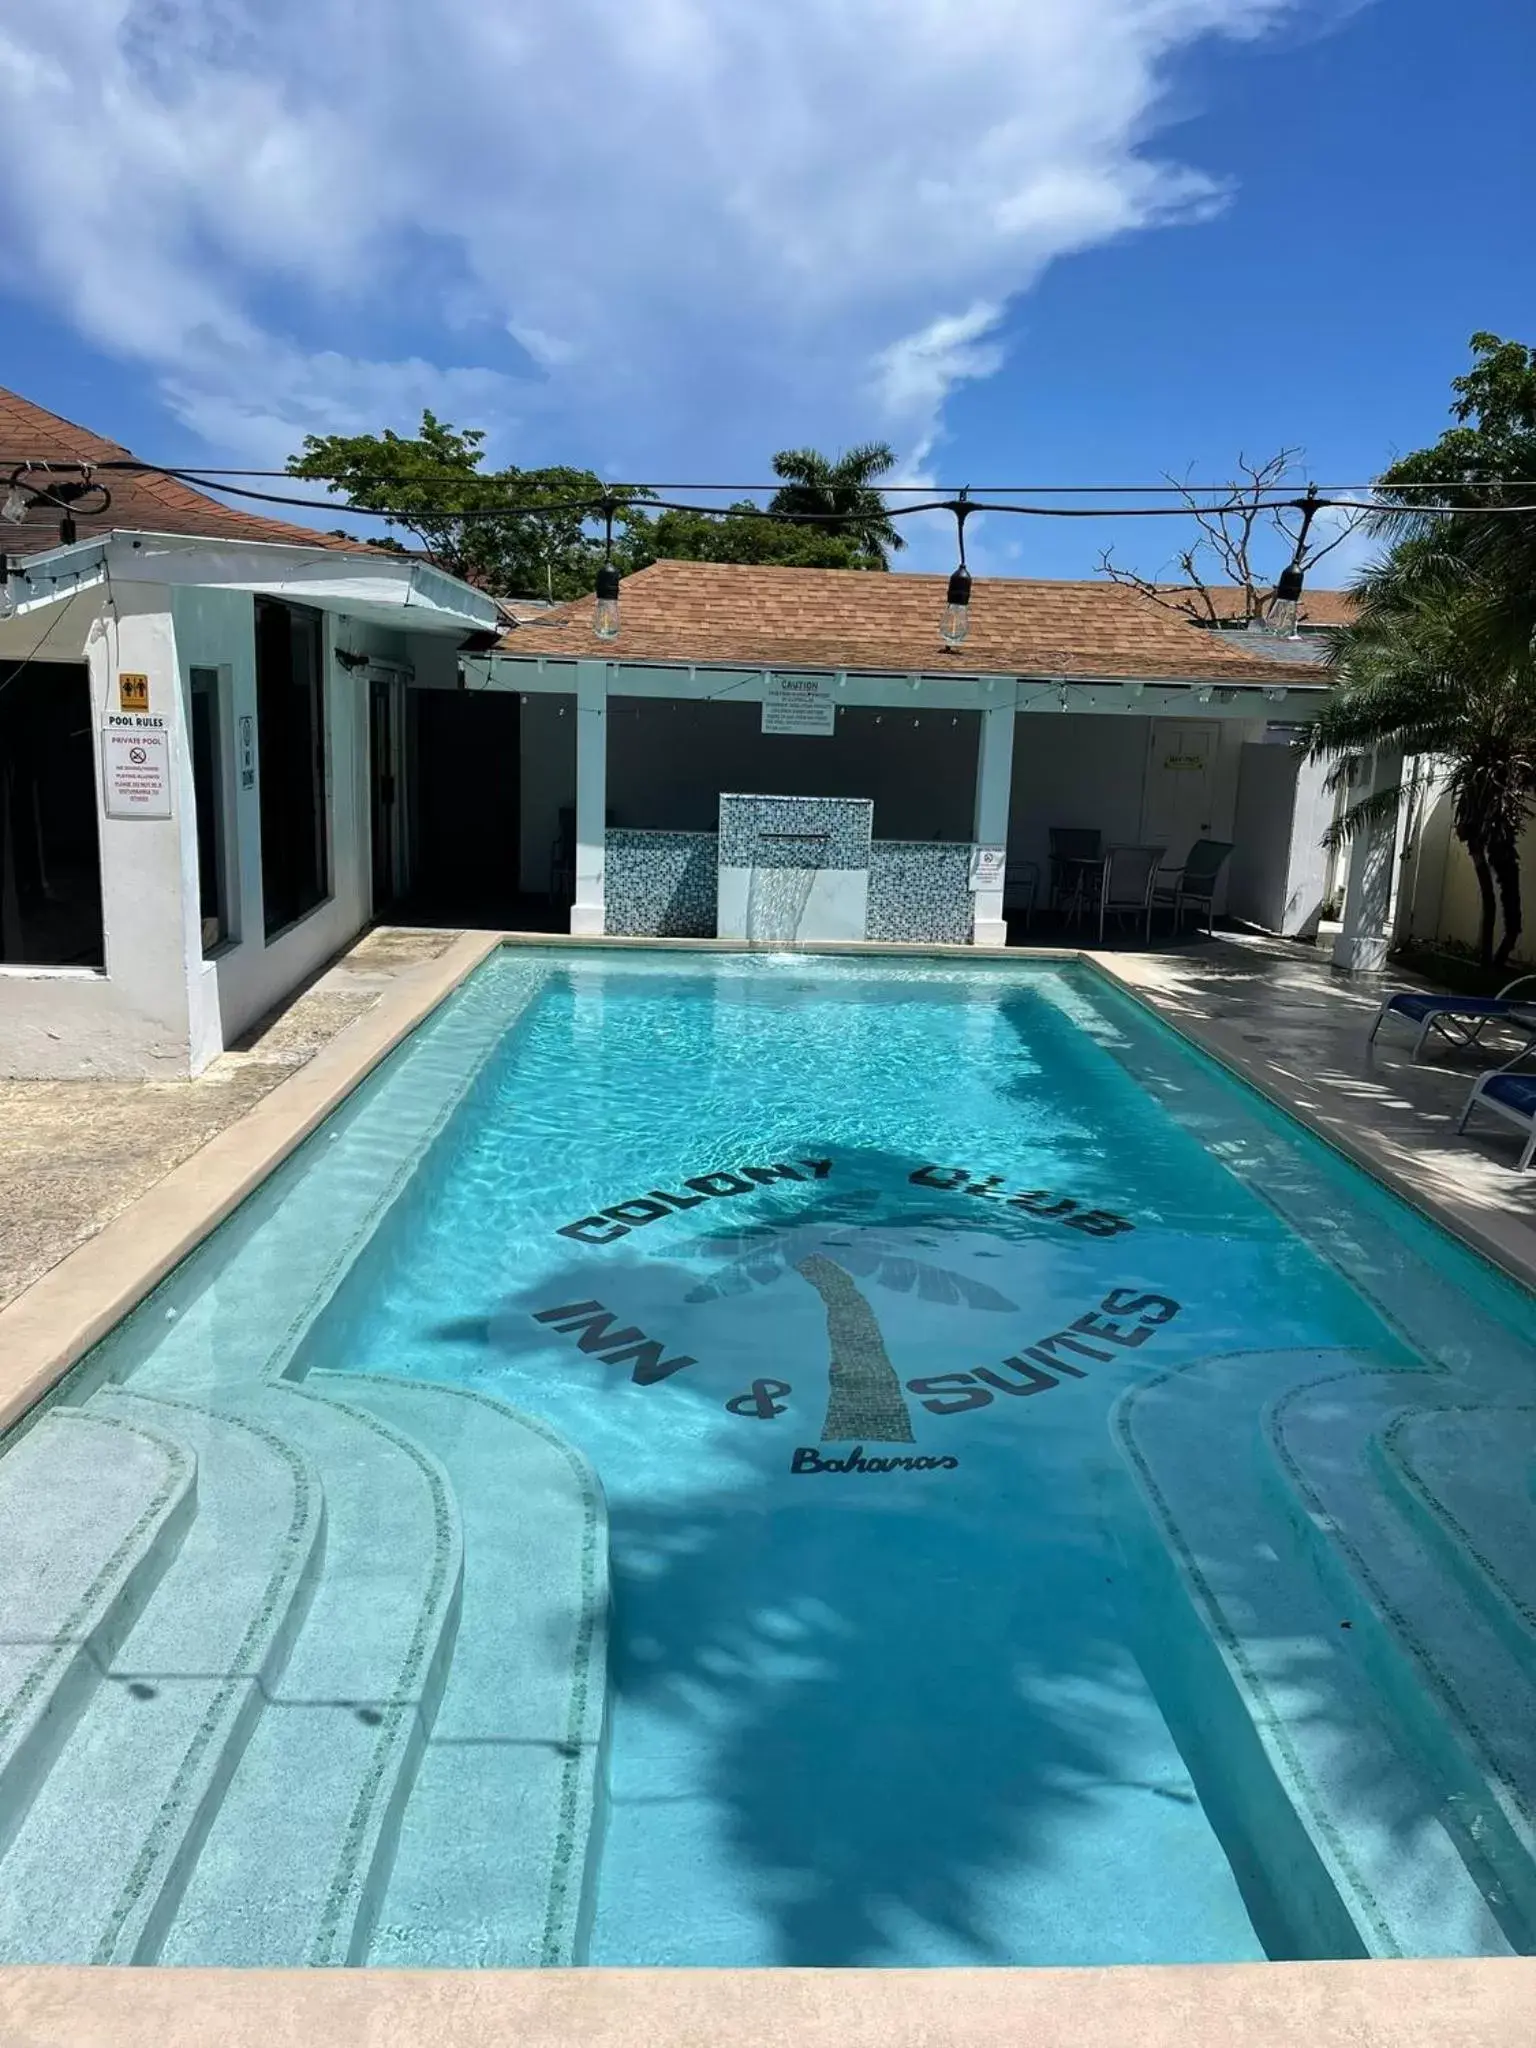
920, 889
846, 822
659, 884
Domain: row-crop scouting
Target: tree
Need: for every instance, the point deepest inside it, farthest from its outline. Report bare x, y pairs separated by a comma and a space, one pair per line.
1441, 660
482, 525
839, 495
1419, 672
1482, 466
1228, 539
827, 1247
737, 535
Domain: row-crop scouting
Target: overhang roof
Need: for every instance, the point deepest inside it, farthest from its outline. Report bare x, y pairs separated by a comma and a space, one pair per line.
141, 502
725, 615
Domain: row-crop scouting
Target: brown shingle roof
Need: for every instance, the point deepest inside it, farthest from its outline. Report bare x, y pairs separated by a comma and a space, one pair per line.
141, 503
1318, 607
845, 618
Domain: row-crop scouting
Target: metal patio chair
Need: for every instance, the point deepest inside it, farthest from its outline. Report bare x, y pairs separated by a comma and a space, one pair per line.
1193, 886
1126, 882
1072, 846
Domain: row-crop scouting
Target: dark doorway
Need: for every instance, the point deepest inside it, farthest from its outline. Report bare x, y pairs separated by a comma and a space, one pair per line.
384, 708
290, 735
50, 846
468, 820
208, 797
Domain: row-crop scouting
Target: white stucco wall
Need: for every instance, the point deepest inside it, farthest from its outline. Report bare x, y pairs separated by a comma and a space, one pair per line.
248, 976
159, 1010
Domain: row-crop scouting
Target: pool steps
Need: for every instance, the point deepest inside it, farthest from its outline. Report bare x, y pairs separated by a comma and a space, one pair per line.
95, 1869
1457, 1688
299, 1849
1375, 1841
1466, 1479
514, 1752
92, 1511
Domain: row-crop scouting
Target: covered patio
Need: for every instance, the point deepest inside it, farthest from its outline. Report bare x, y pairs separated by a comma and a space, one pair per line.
1081, 739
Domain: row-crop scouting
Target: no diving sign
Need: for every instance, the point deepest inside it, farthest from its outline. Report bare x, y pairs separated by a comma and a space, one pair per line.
136, 767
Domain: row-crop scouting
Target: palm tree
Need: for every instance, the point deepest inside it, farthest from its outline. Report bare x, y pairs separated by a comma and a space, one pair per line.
1422, 670
826, 1247
839, 495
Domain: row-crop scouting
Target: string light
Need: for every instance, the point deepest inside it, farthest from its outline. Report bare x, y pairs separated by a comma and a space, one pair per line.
956, 620
605, 614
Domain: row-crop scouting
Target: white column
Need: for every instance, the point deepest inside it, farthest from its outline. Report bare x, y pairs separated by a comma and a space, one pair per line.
1370, 887
994, 790
591, 795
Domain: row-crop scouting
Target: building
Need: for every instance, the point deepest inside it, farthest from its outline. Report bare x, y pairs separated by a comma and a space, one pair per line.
201, 750
227, 743
1068, 705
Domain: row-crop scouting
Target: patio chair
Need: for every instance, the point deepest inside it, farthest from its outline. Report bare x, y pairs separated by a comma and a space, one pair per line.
1125, 884
1460, 1020
1070, 846
1021, 891
1193, 886
1509, 1095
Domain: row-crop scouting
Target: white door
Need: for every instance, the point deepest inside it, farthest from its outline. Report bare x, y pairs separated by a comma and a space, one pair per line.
1180, 786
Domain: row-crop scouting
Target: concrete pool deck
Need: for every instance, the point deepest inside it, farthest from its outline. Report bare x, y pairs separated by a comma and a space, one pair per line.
1268, 1011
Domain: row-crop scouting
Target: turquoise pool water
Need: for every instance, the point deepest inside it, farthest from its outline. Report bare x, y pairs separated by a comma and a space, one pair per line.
1054, 1512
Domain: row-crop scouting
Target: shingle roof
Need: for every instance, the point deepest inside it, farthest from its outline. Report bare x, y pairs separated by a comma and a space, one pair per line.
1318, 607
844, 618
141, 503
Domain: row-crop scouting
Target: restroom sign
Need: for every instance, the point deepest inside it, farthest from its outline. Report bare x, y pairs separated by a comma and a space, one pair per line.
132, 691
136, 766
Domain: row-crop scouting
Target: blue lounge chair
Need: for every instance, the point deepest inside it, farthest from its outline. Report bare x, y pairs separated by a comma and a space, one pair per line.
1461, 1020
1509, 1095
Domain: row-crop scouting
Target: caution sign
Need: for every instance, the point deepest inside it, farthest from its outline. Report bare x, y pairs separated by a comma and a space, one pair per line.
136, 767
132, 691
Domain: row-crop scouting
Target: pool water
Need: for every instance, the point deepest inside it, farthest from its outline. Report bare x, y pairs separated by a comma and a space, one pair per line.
1030, 1473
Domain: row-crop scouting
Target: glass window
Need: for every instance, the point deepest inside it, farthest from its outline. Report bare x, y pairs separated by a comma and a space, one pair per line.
50, 846
290, 736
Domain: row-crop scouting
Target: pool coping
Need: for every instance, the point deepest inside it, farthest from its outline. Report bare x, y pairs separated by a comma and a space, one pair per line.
1457, 2003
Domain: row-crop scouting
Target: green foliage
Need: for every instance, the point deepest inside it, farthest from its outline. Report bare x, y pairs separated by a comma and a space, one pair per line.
430, 481
736, 536
841, 495
1484, 464
486, 526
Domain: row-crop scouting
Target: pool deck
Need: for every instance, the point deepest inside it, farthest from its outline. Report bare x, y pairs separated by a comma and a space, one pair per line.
118, 1181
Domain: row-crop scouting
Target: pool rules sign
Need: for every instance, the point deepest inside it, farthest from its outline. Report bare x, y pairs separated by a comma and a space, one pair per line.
136, 765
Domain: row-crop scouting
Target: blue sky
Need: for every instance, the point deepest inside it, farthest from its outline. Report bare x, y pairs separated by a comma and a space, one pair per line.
1025, 240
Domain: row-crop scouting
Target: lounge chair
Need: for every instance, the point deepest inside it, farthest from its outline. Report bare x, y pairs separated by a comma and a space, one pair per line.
1460, 1020
1193, 886
1509, 1095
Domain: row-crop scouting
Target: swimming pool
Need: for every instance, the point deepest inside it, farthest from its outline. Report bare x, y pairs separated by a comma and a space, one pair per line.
751, 1459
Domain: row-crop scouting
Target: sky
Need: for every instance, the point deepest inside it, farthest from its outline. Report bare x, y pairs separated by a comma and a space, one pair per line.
1024, 241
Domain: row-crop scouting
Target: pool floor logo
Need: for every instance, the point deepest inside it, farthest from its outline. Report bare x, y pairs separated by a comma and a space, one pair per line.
835, 1246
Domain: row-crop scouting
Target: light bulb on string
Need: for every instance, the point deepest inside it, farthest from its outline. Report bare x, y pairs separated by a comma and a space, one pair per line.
14, 510
605, 616
955, 623
1283, 612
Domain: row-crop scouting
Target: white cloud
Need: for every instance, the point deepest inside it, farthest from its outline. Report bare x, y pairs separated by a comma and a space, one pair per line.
710, 227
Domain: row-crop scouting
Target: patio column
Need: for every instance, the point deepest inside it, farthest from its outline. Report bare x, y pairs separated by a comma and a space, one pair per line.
1370, 885
994, 789
591, 796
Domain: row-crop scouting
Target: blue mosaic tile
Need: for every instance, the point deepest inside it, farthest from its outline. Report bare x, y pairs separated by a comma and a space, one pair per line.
845, 822
920, 889
659, 885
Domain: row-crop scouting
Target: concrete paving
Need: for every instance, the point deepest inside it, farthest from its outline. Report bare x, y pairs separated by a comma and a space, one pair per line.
78, 1153
1283, 1018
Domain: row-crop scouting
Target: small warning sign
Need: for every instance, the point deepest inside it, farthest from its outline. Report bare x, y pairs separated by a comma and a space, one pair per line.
136, 768
132, 691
